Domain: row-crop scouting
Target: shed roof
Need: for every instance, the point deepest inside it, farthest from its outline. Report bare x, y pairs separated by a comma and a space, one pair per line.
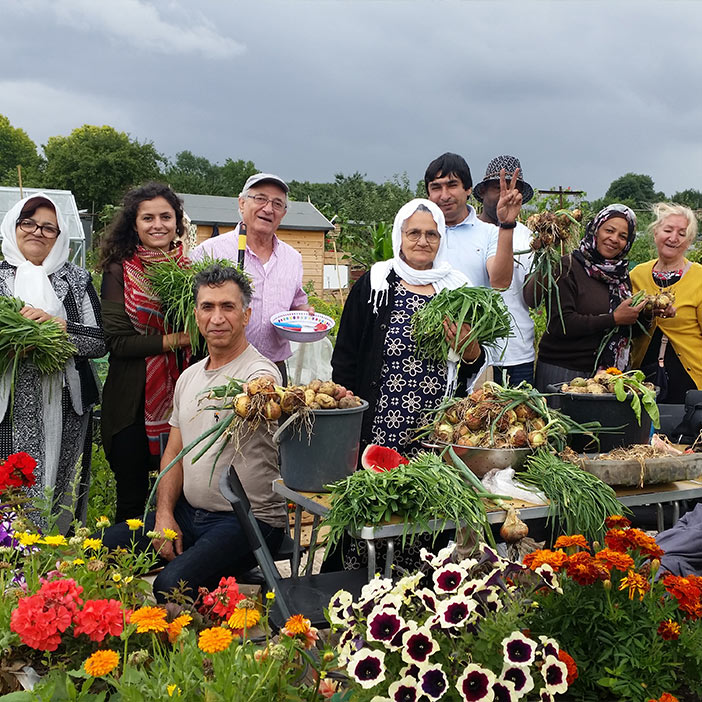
221, 210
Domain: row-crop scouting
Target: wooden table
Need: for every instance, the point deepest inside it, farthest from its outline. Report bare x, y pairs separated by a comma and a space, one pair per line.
317, 504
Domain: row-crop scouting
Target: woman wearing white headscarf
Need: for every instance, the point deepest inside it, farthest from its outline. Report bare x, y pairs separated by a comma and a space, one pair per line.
51, 414
375, 355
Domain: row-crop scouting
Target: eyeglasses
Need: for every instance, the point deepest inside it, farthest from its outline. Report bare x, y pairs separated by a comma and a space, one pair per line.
262, 200
29, 226
414, 235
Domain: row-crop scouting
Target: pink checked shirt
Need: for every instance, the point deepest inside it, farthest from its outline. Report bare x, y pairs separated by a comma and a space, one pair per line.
277, 288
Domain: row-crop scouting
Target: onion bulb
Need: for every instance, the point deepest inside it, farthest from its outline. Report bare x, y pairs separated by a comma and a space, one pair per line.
513, 529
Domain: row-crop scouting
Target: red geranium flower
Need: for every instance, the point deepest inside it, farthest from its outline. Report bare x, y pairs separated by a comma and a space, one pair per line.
99, 618
17, 471
224, 599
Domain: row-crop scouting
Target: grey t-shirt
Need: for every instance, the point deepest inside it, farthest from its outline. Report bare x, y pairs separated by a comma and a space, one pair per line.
255, 459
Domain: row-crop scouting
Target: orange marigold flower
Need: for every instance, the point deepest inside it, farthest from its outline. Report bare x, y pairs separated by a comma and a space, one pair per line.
644, 543
101, 663
297, 624
615, 559
244, 618
215, 639
613, 371
149, 619
636, 584
617, 540
570, 666
176, 626
584, 569
669, 630
667, 697
568, 541
617, 521
535, 559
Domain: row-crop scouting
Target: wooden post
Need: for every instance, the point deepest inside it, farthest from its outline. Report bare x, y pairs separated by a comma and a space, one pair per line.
561, 193
19, 181
338, 273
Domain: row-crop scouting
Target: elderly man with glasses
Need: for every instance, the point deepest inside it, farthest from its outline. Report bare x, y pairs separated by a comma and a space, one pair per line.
274, 266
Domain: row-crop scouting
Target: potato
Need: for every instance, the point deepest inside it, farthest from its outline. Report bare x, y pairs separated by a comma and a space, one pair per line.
327, 388
347, 402
339, 392
309, 397
314, 385
325, 401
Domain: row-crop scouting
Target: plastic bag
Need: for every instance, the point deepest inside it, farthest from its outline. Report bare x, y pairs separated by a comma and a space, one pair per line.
501, 482
310, 361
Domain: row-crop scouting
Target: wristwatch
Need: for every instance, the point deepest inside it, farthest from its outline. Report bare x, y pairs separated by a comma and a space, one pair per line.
510, 225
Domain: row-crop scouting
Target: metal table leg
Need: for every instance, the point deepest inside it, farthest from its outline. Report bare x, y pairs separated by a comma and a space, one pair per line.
659, 517
313, 545
297, 532
370, 544
676, 512
389, 557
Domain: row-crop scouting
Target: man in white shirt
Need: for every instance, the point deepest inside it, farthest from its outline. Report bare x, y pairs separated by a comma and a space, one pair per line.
476, 248
517, 361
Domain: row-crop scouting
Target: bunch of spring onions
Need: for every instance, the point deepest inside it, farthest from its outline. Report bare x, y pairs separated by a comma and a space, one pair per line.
579, 502
481, 308
173, 285
555, 234
45, 344
420, 491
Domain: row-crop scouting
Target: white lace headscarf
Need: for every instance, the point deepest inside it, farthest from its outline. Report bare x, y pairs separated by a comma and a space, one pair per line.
32, 285
441, 275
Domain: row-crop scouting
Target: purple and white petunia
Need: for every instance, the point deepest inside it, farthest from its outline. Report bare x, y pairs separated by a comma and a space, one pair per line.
440, 559
475, 684
519, 649
549, 577
428, 598
404, 690
449, 578
555, 675
376, 587
418, 645
433, 682
546, 696
340, 609
520, 677
455, 612
367, 667
504, 691
383, 625
549, 647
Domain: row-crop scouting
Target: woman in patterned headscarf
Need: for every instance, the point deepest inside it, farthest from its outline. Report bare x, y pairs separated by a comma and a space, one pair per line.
145, 359
595, 328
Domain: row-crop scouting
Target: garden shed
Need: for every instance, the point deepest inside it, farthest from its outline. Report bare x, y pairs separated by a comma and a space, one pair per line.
304, 228
66, 203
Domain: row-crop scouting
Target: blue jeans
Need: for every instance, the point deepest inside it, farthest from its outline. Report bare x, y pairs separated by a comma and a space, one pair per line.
517, 373
214, 546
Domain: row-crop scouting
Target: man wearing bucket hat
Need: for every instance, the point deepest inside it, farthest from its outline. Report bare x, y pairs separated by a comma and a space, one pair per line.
274, 266
517, 362
208, 541
478, 250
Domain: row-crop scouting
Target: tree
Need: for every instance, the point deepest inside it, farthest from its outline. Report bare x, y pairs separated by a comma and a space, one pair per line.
99, 164
17, 149
691, 198
633, 189
196, 174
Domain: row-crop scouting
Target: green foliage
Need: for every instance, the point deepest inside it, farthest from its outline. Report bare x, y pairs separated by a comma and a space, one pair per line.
196, 174
99, 164
643, 249
690, 197
102, 496
17, 149
633, 189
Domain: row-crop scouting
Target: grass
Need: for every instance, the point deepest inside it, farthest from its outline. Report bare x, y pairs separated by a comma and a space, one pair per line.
102, 497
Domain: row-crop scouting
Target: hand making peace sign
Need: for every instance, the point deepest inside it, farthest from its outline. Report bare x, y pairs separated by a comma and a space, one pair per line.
510, 201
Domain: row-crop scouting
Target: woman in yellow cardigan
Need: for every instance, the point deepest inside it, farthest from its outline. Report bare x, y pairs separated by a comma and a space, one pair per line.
674, 347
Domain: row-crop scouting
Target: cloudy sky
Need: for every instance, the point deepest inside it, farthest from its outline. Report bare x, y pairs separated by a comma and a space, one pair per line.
583, 92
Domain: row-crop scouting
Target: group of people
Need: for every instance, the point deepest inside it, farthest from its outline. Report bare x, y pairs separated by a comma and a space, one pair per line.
150, 398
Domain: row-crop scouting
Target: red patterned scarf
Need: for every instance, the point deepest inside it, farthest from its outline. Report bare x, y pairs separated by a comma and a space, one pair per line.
144, 311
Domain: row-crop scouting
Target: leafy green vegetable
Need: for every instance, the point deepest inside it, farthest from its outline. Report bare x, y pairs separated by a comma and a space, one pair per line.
579, 501
631, 384
481, 308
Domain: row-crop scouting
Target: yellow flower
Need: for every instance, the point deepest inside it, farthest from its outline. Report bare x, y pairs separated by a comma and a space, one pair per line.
270, 595
297, 624
134, 524
54, 540
613, 371
149, 619
102, 522
78, 561
27, 539
101, 663
176, 626
214, 639
94, 544
128, 579
173, 689
170, 534
636, 584
244, 618
117, 577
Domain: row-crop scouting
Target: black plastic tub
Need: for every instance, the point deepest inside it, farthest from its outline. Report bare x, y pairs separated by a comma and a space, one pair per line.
618, 416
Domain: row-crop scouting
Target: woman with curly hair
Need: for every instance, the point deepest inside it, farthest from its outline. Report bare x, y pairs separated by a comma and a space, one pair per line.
145, 360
